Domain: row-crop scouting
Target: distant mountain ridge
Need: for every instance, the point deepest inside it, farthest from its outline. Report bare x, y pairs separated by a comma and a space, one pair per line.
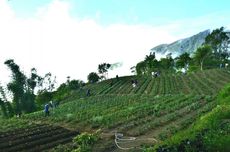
178, 47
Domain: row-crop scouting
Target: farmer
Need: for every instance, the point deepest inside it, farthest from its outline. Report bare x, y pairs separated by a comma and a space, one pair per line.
133, 83
88, 93
46, 110
153, 74
51, 104
221, 65
117, 77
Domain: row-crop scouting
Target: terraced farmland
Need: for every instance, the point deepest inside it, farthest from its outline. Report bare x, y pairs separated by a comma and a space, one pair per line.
134, 115
156, 109
206, 82
35, 138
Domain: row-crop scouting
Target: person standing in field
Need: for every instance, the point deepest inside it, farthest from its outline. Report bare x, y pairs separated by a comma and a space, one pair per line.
88, 93
117, 77
46, 110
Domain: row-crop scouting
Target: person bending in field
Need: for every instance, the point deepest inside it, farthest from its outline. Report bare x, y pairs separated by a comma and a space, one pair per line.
133, 83
46, 110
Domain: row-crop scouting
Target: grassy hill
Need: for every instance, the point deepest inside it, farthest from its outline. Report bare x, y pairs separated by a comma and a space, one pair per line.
153, 111
203, 82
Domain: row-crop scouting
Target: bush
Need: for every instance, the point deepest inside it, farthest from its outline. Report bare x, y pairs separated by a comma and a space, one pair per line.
224, 96
85, 141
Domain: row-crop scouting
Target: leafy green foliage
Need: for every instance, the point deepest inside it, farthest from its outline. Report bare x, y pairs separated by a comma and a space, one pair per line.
219, 40
5, 105
209, 133
93, 77
85, 141
64, 90
43, 97
183, 60
201, 54
103, 70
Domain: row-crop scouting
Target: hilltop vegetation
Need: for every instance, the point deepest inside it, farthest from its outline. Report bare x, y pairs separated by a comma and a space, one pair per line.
206, 82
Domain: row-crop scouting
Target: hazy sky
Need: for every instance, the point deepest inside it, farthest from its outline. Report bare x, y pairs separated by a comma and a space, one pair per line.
71, 37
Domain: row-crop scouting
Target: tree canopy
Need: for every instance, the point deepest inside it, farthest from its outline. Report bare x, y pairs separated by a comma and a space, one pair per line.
93, 77
201, 54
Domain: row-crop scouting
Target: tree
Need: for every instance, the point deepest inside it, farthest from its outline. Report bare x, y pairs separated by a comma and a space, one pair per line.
141, 68
103, 69
151, 63
148, 65
5, 104
17, 84
93, 77
29, 96
183, 60
166, 63
3, 108
45, 93
48, 82
22, 88
219, 41
34, 80
75, 84
201, 54
43, 97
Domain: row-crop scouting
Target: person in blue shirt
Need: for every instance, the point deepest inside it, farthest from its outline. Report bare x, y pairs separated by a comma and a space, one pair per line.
46, 110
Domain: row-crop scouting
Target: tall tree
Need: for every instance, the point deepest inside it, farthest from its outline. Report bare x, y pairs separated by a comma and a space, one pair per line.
22, 88
45, 92
141, 68
148, 65
29, 96
219, 40
5, 104
151, 63
3, 108
17, 84
166, 63
183, 60
201, 54
103, 69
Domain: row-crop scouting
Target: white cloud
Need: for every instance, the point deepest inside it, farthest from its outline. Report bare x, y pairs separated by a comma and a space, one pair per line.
54, 41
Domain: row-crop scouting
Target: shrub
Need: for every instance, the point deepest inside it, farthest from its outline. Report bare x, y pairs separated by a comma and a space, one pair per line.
85, 141
224, 95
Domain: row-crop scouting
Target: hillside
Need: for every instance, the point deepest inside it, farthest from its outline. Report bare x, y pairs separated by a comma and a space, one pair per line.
153, 111
206, 82
178, 47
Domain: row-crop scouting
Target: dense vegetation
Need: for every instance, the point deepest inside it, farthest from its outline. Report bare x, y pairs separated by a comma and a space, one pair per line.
209, 133
142, 111
167, 111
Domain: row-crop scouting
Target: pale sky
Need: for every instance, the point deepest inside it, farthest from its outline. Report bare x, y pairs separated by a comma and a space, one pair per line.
71, 37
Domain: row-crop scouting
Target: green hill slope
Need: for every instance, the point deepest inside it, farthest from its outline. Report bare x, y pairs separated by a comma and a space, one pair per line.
153, 111
206, 82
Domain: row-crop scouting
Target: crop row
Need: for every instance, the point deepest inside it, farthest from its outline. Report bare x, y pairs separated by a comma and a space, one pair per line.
111, 111
36, 139
203, 82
